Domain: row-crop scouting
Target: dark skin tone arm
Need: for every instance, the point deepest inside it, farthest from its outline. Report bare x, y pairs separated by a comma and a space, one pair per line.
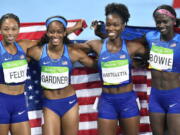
25, 43
34, 52
92, 45
137, 48
79, 55
78, 25
75, 55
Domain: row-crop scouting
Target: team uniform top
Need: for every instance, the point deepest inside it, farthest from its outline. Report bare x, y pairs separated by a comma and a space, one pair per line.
164, 55
55, 73
115, 67
13, 68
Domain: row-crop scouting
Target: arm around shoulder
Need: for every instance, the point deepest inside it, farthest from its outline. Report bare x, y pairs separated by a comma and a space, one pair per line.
91, 45
34, 52
25, 43
82, 57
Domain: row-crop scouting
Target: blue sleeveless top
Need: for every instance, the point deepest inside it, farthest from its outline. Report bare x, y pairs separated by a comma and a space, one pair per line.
114, 66
64, 62
164, 53
6, 57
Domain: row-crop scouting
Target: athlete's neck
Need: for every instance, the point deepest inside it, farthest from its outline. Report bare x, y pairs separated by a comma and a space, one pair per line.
114, 45
6, 44
55, 48
167, 37
55, 51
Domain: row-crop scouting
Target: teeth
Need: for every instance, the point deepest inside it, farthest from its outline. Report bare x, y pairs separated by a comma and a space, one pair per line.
163, 30
111, 34
55, 40
10, 38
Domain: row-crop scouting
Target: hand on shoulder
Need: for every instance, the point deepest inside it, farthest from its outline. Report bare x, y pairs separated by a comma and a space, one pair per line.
34, 52
25, 43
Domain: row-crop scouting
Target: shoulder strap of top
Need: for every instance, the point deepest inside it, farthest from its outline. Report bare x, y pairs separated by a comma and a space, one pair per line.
44, 51
18, 47
177, 37
124, 47
104, 46
2, 49
65, 52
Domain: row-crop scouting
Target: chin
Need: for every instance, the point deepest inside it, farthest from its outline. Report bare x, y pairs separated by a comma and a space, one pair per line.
10, 42
55, 43
164, 33
112, 38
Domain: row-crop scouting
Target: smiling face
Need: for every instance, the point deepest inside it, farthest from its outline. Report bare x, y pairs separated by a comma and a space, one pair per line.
9, 30
56, 33
164, 24
114, 26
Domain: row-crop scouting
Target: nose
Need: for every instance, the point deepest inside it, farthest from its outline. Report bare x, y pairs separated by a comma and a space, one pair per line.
110, 28
161, 24
9, 32
55, 34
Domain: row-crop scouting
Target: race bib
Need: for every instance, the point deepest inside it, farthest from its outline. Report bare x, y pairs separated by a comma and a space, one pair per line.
15, 71
54, 77
115, 72
161, 58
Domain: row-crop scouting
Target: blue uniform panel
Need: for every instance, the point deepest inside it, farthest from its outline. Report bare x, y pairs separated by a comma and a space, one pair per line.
174, 44
165, 101
13, 108
60, 106
117, 106
106, 56
63, 61
6, 57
